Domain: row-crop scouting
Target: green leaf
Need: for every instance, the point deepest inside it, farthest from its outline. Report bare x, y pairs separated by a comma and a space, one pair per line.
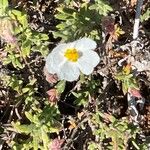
3, 6
29, 116
125, 87
146, 15
25, 90
18, 64
15, 84
6, 61
33, 81
27, 129
21, 17
77, 95
26, 48
61, 86
35, 143
61, 16
44, 37
135, 145
44, 138
36, 120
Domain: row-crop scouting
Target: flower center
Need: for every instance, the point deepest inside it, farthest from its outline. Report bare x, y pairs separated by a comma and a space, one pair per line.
72, 54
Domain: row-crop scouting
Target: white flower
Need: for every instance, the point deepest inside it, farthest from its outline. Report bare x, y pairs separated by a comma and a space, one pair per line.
67, 60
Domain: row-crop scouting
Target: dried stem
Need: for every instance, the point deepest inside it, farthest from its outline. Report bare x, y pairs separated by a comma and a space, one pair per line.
73, 133
137, 19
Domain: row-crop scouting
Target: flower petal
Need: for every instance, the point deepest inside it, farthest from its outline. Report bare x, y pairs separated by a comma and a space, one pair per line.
56, 63
55, 59
69, 71
88, 61
85, 44
48, 66
59, 48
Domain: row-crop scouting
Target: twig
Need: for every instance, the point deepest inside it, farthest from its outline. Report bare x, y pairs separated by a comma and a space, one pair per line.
85, 119
17, 113
136, 25
137, 19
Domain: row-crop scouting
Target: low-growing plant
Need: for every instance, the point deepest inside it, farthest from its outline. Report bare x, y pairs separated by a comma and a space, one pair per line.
39, 95
84, 20
146, 15
21, 39
42, 124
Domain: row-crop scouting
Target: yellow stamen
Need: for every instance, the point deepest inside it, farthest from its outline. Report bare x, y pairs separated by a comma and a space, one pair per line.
72, 54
